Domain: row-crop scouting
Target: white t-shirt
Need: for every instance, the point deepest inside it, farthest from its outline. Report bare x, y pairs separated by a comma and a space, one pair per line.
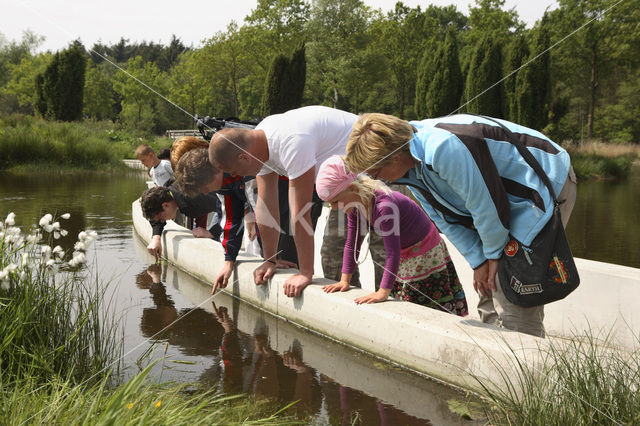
161, 173
303, 138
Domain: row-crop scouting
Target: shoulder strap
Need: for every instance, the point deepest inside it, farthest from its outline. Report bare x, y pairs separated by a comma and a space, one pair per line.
526, 154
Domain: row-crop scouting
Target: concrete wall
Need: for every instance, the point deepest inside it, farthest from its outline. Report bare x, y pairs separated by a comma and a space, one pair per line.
452, 349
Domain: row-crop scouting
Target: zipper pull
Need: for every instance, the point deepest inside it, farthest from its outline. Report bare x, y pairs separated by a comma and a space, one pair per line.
526, 251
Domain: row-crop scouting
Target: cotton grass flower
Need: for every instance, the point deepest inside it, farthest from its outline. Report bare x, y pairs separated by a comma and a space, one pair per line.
11, 219
66, 216
79, 246
45, 220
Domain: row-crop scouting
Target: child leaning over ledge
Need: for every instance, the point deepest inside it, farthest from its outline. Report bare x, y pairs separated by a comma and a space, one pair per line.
159, 170
418, 267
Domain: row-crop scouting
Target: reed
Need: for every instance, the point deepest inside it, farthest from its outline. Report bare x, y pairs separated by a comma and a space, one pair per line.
583, 380
83, 145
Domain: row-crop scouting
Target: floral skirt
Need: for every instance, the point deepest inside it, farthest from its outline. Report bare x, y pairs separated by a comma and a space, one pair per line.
426, 276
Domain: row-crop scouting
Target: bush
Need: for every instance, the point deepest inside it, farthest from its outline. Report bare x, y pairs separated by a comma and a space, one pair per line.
87, 145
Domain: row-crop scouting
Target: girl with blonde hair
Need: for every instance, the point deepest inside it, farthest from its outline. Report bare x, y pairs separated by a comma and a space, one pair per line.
418, 267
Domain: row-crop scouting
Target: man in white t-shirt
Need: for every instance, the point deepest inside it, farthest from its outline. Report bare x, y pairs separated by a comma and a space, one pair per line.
293, 144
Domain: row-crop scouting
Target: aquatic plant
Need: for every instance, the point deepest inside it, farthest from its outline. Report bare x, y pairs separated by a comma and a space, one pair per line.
52, 318
582, 380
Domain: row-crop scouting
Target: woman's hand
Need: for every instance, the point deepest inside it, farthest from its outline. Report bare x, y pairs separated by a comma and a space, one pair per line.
379, 296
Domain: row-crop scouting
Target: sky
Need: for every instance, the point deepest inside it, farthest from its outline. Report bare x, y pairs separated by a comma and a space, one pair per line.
62, 21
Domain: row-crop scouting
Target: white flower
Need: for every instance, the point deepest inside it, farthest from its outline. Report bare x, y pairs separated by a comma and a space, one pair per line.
82, 236
45, 220
56, 226
79, 246
1, 235
45, 249
66, 216
11, 219
25, 258
48, 228
56, 235
92, 234
23, 275
58, 250
64, 232
3, 275
11, 267
4, 284
31, 238
50, 262
78, 259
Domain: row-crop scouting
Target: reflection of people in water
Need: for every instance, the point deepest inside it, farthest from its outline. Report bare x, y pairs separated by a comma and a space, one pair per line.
349, 406
195, 331
230, 351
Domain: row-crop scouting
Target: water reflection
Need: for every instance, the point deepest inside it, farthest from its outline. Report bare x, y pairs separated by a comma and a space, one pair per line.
250, 351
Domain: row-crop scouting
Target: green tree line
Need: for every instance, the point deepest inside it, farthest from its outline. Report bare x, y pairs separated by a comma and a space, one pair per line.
410, 62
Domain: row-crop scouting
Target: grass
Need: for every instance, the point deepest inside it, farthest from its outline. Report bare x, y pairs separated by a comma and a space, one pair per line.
583, 380
136, 402
60, 348
27, 140
599, 160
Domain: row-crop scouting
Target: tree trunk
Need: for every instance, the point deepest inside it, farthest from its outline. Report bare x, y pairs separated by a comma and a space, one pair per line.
592, 93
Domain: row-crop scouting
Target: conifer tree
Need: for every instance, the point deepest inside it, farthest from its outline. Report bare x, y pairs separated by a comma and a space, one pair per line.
422, 84
296, 76
272, 97
517, 54
445, 87
532, 83
60, 89
484, 71
284, 87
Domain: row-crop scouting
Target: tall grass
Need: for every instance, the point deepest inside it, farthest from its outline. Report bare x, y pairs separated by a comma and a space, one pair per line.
59, 349
84, 145
583, 380
52, 319
136, 402
599, 160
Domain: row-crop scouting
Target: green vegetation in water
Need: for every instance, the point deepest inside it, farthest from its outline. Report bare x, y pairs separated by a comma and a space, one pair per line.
583, 380
30, 141
60, 351
599, 160
593, 166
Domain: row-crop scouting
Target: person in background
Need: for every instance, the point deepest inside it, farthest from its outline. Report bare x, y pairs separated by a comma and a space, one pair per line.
475, 186
418, 267
164, 154
159, 170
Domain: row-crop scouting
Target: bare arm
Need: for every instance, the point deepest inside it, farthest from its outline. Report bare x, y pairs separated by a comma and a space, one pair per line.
267, 213
300, 195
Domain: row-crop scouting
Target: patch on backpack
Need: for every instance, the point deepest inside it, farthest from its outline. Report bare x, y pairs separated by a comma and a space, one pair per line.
560, 274
511, 248
520, 288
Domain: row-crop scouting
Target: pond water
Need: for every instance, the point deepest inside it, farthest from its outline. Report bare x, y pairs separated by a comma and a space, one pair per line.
233, 347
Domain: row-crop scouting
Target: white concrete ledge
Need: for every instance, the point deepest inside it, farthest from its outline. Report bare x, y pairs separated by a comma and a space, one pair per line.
443, 346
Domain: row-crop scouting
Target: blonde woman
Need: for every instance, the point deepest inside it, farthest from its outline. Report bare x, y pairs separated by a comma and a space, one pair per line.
475, 186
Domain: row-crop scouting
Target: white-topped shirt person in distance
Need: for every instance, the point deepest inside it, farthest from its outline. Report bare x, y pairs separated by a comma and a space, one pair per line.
159, 170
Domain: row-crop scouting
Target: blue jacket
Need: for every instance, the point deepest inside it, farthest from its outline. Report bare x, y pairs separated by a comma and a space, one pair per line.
469, 167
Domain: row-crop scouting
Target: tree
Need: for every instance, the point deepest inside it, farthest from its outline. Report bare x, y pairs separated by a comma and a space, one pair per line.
22, 84
272, 100
98, 95
533, 83
485, 71
61, 87
13, 52
517, 53
446, 85
137, 100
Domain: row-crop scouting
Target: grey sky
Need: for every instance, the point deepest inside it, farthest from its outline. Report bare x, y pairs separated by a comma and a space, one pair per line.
61, 21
